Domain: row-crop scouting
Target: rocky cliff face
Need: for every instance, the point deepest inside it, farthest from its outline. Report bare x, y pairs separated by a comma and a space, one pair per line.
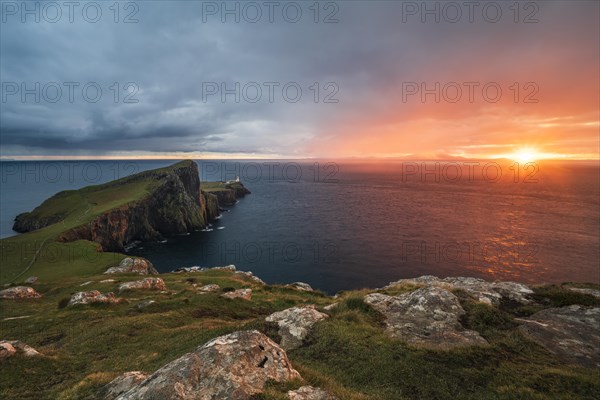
175, 205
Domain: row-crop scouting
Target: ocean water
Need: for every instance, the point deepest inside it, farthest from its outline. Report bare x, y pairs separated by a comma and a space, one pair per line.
348, 225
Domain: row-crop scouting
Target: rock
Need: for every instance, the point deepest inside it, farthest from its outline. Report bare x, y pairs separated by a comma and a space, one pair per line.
591, 292
304, 287
93, 296
130, 265
235, 366
331, 306
571, 333
295, 324
86, 283
121, 384
310, 393
245, 294
486, 292
31, 280
19, 292
253, 277
210, 288
230, 267
8, 348
107, 281
144, 284
145, 304
427, 317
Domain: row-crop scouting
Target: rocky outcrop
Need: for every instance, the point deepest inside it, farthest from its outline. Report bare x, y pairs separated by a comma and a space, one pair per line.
591, 292
295, 324
121, 384
93, 296
571, 333
491, 293
144, 284
19, 292
251, 276
230, 267
245, 294
130, 265
304, 287
210, 288
9, 348
310, 393
428, 317
235, 366
27, 222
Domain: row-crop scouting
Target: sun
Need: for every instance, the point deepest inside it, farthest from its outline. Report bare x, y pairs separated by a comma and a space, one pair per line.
526, 155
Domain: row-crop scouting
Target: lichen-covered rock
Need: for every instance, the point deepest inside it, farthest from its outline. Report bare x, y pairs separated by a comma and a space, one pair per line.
210, 288
304, 287
571, 333
486, 292
295, 324
428, 317
310, 393
144, 284
31, 280
235, 366
9, 348
130, 265
93, 296
122, 384
245, 294
19, 292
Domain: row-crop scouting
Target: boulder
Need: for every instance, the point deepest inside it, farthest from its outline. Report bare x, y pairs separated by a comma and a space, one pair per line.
251, 276
304, 287
130, 265
310, 393
571, 333
31, 280
122, 384
9, 348
491, 293
295, 324
235, 366
428, 317
19, 292
93, 296
210, 288
144, 284
245, 294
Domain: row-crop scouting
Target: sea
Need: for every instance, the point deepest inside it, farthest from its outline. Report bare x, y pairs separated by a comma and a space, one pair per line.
341, 225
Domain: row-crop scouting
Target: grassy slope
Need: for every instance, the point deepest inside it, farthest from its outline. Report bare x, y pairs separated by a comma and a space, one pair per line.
349, 353
77, 207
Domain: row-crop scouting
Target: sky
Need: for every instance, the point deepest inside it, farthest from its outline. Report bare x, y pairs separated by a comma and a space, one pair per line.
185, 79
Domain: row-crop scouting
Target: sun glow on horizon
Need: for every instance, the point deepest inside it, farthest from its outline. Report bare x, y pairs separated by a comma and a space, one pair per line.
526, 155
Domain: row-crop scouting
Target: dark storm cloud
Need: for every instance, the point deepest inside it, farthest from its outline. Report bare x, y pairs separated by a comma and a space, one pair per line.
171, 51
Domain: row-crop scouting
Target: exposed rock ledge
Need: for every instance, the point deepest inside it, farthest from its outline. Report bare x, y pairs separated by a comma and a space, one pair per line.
130, 265
235, 366
295, 324
428, 317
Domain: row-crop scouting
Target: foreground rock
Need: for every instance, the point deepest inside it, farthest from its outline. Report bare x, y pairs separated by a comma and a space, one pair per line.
491, 293
144, 284
122, 384
303, 287
235, 366
19, 292
591, 292
9, 348
295, 324
94, 296
133, 266
571, 333
213, 287
427, 317
310, 393
245, 294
